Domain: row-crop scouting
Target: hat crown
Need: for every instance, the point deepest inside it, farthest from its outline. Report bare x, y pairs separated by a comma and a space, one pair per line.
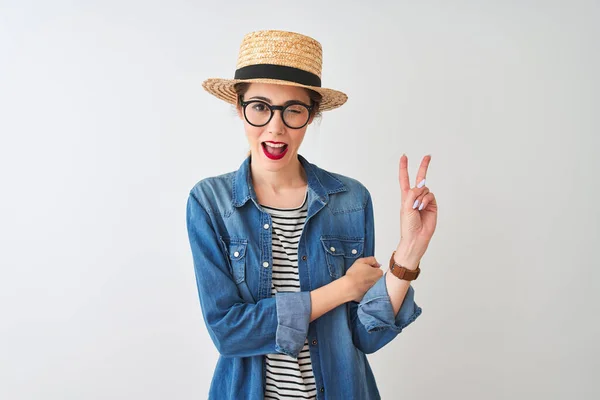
283, 48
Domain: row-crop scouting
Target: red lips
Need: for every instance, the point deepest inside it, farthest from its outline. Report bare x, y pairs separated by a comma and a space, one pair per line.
273, 156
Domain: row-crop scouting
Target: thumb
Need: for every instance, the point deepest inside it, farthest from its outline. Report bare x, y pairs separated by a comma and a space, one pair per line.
371, 261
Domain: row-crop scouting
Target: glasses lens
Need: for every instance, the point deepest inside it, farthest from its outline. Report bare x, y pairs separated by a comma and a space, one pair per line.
257, 113
296, 115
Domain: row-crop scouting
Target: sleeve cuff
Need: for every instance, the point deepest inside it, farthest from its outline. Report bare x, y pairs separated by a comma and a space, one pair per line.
293, 317
376, 313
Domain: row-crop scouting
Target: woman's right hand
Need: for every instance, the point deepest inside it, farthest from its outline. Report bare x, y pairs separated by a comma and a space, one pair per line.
361, 276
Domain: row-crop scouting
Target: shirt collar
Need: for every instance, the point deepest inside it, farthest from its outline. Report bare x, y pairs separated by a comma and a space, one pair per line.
320, 182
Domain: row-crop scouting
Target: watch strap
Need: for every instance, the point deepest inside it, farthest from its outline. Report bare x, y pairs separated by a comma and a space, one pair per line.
402, 272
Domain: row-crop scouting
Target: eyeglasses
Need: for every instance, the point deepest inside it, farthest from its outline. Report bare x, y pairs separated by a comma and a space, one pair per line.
294, 115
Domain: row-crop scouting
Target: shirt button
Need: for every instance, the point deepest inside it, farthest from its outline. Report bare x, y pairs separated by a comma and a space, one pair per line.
236, 254
304, 258
322, 390
266, 264
314, 342
266, 226
332, 248
354, 251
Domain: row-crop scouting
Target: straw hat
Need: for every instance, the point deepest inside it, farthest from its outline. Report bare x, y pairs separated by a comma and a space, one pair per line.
278, 57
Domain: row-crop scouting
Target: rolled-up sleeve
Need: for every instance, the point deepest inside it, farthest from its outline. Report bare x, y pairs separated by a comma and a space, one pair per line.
238, 328
376, 312
293, 318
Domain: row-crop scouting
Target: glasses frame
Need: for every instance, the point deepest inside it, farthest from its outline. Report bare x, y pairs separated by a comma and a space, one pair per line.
310, 108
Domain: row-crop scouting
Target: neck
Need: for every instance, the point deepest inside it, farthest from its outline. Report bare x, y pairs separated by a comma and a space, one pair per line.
292, 176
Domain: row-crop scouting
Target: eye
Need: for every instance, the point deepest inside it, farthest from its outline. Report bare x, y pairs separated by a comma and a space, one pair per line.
296, 109
259, 107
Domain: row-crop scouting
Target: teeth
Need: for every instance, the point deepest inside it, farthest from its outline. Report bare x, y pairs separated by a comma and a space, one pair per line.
275, 145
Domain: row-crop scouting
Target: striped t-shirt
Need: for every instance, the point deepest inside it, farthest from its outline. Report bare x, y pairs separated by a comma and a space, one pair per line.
288, 378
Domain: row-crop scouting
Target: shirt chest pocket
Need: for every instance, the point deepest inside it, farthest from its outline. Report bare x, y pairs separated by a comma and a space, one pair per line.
236, 253
341, 252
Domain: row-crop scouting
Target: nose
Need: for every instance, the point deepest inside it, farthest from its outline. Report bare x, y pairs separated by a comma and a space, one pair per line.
276, 124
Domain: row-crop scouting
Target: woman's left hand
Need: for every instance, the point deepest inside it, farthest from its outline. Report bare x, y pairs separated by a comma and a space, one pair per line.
418, 213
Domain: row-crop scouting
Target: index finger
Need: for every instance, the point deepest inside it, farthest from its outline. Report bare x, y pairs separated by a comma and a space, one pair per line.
403, 175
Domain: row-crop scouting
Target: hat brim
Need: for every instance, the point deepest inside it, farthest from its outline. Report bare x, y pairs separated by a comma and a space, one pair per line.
224, 90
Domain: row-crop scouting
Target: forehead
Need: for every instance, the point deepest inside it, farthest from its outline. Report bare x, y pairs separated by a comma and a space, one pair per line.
277, 93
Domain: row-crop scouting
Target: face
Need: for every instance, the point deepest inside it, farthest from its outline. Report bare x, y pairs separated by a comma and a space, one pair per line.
275, 132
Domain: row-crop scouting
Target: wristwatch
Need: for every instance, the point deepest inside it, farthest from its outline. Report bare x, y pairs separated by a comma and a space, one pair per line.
402, 272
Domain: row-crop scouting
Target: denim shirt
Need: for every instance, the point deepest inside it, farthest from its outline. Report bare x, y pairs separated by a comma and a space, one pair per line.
230, 237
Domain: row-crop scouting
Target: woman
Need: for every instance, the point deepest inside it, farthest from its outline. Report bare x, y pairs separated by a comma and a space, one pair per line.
290, 291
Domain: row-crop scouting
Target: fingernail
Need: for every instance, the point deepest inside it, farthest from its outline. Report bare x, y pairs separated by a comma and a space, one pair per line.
421, 206
421, 184
416, 203
378, 264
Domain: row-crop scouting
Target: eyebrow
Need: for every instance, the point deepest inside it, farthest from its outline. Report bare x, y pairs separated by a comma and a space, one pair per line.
270, 102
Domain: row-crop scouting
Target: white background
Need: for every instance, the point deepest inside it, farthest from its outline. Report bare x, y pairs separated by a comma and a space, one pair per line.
105, 127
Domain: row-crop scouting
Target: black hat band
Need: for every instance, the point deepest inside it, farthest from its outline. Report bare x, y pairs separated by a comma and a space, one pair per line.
281, 72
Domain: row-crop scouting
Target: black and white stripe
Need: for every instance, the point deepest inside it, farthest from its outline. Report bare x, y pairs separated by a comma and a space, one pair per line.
288, 378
